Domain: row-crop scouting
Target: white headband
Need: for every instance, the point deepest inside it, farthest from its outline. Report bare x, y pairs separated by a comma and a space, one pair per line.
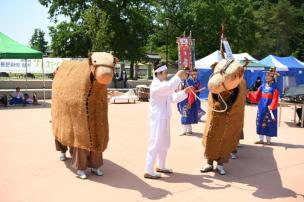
161, 69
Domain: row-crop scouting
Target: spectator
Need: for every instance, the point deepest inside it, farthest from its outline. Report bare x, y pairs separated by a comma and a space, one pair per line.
257, 84
28, 99
17, 98
124, 78
115, 78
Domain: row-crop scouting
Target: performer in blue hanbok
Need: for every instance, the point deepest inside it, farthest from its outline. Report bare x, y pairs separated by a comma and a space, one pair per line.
190, 108
268, 96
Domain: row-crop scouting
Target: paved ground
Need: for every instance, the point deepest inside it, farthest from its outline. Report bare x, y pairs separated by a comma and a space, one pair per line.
30, 170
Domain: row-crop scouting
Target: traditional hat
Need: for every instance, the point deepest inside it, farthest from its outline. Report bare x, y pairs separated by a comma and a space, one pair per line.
273, 72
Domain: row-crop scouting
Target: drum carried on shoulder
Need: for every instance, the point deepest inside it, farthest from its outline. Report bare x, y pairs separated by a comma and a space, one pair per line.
143, 92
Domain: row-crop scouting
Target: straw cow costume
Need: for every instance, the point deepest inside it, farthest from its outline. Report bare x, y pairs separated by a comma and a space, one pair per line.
80, 110
225, 115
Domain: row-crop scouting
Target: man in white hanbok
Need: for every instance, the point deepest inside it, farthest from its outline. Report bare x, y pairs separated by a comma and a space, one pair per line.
162, 94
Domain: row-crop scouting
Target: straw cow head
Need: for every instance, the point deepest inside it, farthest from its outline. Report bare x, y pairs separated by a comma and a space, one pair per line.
227, 75
102, 65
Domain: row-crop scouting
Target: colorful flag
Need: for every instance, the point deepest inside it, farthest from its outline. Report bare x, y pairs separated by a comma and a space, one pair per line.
184, 53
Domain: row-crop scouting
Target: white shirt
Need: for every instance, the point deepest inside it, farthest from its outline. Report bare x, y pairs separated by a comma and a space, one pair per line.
17, 95
162, 95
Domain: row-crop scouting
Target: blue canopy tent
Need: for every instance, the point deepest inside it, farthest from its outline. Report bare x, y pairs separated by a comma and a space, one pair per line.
204, 71
291, 70
254, 69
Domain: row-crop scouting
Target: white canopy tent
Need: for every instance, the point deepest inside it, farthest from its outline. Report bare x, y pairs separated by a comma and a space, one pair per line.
207, 61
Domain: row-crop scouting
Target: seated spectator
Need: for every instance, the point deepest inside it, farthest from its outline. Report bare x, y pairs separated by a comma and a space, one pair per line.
28, 99
17, 98
3, 100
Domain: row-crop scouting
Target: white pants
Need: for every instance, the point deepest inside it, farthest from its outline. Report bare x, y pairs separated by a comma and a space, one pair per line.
158, 144
186, 128
268, 138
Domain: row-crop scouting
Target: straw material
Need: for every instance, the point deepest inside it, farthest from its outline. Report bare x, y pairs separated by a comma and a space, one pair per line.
79, 108
223, 130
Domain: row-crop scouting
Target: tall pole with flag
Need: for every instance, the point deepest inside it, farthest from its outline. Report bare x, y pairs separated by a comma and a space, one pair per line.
186, 55
225, 47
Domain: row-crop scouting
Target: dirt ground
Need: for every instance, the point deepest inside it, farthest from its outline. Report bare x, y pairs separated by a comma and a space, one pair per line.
31, 171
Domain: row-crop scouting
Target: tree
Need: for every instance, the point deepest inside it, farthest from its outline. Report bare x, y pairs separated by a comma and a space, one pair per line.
133, 27
38, 42
69, 40
204, 19
97, 28
122, 26
280, 29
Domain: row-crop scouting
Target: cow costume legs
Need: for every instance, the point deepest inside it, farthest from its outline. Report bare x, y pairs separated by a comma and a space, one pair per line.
81, 122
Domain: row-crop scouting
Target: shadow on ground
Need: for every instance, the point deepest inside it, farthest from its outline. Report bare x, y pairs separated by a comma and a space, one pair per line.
292, 124
121, 178
257, 168
195, 134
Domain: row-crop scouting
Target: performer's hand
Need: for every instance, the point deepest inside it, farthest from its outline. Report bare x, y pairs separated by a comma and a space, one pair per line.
182, 74
188, 89
269, 108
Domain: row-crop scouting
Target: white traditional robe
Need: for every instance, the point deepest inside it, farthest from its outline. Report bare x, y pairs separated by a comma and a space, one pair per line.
161, 96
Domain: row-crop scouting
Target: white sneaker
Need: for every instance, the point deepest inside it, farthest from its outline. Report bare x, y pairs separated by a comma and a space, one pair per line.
97, 171
234, 156
207, 168
81, 174
220, 170
62, 157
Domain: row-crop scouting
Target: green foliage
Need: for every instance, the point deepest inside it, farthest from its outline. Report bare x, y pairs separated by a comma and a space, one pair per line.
69, 40
97, 27
122, 26
280, 29
134, 27
38, 42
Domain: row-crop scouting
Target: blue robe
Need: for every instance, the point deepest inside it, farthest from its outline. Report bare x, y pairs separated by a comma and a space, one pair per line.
194, 114
265, 124
17, 101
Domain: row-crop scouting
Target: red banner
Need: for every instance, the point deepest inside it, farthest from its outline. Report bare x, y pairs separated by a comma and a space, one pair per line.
184, 53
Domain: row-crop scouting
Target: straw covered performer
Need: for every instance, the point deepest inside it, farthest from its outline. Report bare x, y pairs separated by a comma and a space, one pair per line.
224, 123
80, 110
190, 108
162, 94
268, 97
